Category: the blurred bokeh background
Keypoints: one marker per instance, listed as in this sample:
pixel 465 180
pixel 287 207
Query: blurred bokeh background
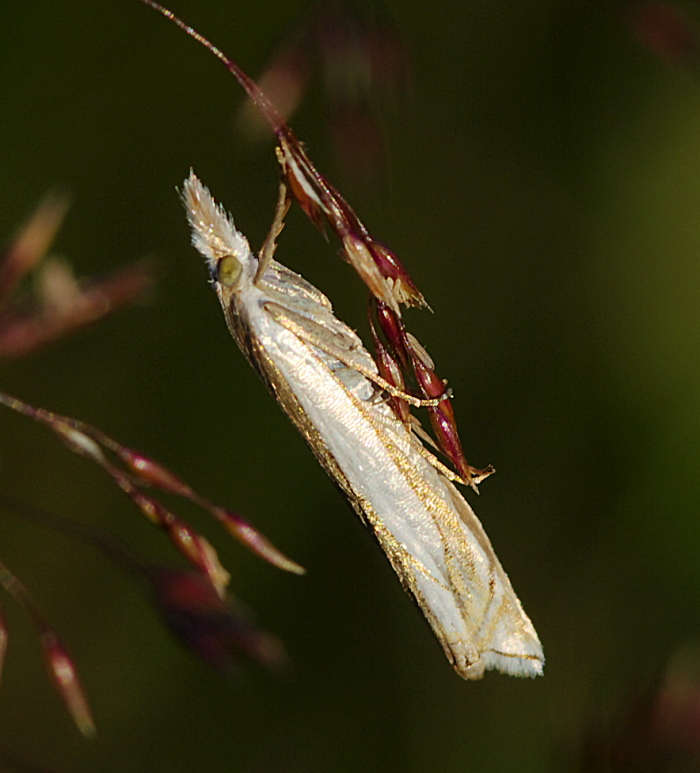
pixel 542 184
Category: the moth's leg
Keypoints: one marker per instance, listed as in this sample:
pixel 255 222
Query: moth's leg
pixel 379 396
pixel 414 427
pixel 477 475
pixel 267 251
pixel 445 470
pixel 307 328
pixel 319 336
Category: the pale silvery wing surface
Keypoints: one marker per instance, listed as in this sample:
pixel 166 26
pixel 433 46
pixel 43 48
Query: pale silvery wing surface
pixel 320 373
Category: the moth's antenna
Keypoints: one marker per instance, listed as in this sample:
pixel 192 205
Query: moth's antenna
pixel 254 92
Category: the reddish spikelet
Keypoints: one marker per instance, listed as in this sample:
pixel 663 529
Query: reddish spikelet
pixel 361 54
pixel 316 196
pixel 240 529
pixel 199 552
pixel 284 80
pixel 395 332
pixel 203 618
pixel 152 473
pixel 74 438
pixel 61 303
pixel 390 371
pixel 155 474
pixel 65 306
pixel 59 663
pixel 360 58
pixel 92 443
pixel 30 245
pixel 64 676
pixel 189 543
pixel 403 288
pixel 378 267
pixel 208 624
pixel 85 440
pixel 361 258
pixel 442 419
pixel 406 350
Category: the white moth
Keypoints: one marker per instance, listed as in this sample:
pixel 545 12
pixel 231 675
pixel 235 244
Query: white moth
pixel 325 380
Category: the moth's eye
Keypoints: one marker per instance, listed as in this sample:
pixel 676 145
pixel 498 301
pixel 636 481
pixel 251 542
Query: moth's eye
pixel 228 271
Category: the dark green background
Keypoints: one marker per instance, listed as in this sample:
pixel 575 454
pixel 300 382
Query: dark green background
pixel 543 189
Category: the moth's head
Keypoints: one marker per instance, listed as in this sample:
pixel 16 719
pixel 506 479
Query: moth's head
pixel 225 249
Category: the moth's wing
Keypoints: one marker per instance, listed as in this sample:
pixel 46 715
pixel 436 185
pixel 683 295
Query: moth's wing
pixel 328 335
pixel 471 606
pixel 504 634
pixel 291 289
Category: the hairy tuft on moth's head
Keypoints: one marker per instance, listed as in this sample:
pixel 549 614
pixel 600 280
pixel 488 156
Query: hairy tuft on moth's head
pixel 214 234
